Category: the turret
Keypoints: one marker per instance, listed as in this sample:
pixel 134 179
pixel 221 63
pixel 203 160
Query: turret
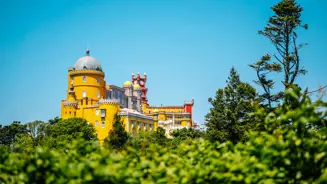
pixel 188 105
pixel 137 93
pixel 71 94
pixel 141 81
pixel 128 87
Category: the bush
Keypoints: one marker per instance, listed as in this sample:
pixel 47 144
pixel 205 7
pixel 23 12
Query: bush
pixel 293 149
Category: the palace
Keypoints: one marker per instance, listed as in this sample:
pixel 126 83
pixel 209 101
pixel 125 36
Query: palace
pixel 89 97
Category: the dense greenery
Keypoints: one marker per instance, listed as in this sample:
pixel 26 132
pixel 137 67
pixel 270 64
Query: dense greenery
pixel 288 152
pixel 230 115
pixel 117 136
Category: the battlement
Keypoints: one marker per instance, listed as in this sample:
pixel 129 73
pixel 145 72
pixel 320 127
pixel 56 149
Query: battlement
pixel 70 104
pixel 189 102
pixel 77 72
pixel 108 101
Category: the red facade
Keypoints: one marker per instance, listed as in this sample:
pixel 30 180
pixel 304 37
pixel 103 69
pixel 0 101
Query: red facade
pixel 141 81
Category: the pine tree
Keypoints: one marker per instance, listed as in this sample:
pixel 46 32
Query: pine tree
pixel 281 30
pixel 117 136
pixel 229 118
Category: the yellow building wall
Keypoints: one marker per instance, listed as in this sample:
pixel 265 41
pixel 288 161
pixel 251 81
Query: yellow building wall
pixel 93 83
pixel 140 125
pixel 164 112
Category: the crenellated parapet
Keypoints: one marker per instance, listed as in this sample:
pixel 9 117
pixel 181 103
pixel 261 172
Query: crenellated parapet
pixel 70 104
pixel 108 101
pixel 82 72
pixel 189 102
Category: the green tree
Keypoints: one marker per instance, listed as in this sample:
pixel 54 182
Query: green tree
pixel 186 133
pixel 264 67
pixel 229 117
pixel 54 120
pixel 8 133
pixel 159 136
pixel 117 136
pixel 70 129
pixel 281 30
pixel 37 130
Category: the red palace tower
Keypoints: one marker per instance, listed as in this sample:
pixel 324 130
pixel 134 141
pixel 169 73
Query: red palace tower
pixel 141 81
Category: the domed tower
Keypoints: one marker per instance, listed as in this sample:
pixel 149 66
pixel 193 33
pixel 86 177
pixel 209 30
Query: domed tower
pixel 137 93
pixel 87 79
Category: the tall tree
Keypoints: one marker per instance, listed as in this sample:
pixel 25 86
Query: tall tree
pixel 264 67
pixel 229 116
pixel 117 136
pixel 281 30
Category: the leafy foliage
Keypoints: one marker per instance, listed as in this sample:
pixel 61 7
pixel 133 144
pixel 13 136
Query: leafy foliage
pixel 229 118
pixel 72 128
pixel 117 136
pixel 8 133
pixel 281 30
pixel 263 67
pixel 292 150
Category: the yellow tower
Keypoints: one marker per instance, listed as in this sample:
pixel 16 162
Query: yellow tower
pixel 86 96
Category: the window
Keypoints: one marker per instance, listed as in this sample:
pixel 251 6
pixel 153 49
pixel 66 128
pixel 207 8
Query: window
pixel 98 79
pixel 96 123
pixel 98 94
pixel 103 112
pixel 103 124
pixel 84 78
pixel 70 113
pixel 97 112
pixel 72 80
pixel 84 94
pixel 149 112
pixel 75 114
pixel 146 127
pixel 140 126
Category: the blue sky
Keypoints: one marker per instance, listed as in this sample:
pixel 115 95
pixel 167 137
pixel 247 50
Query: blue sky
pixel 186 48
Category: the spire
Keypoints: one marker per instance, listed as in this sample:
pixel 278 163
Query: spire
pixel 87 51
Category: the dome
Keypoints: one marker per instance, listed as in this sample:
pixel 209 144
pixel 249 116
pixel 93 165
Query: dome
pixel 136 86
pixel 127 84
pixel 87 63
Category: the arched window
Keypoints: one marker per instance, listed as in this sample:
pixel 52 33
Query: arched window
pixel 98 94
pixel 103 124
pixel 98 79
pixel 84 94
pixel 96 123
pixel 84 78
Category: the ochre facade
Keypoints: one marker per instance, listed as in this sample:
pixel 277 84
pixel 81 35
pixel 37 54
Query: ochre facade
pixel 89 97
